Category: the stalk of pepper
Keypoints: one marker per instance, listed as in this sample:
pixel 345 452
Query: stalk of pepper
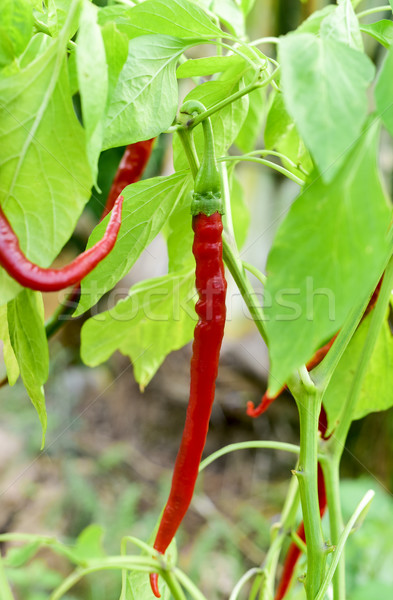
pixel 294 552
pixel 130 170
pixel 210 283
pixel 34 277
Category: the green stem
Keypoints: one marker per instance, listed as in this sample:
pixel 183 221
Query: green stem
pixel 309 406
pixel 256 272
pixel 188 585
pixel 42 28
pixel 237 271
pixel 246 446
pixel 267 163
pixel 331 474
pixel 265 40
pixel 372 11
pixel 243 580
pixel 187 142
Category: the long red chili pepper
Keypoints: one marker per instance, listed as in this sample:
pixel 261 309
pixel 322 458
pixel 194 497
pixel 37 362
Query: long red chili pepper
pixel 130 170
pixel 210 308
pixel 294 551
pixel 34 277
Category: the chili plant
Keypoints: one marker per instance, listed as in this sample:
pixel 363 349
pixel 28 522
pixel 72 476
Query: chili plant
pixel 77 79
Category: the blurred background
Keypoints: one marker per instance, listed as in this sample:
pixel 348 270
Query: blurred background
pixel 110 448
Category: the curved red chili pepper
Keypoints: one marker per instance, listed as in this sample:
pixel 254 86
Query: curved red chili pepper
pixel 294 551
pixel 130 170
pixel 211 286
pixel 34 277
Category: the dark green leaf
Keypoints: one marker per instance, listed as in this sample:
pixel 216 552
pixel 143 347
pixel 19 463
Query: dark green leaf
pixel 92 73
pixel 382 31
pixel 156 318
pixel 176 18
pixel 145 99
pixel 324 256
pixel 342 25
pixel 147 206
pixel 384 92
pixel 27 334
pixel 16 28
pixel 377 389
pixel 328 112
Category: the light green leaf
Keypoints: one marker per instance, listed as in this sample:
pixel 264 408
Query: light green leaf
pixel 45 178
pixel 179 244
pixel 328 112
pixel 203 67
pixel 229 12
pixel 145 99
pixel 241 216
pixel 252 125
pixel 341 229
pixel 17 557
pixel 147 206
pixel 38 44
pixel 384 92
pixel 27 334
pixel 342 25
pixel 57 15
pixel 246 6
pixel 16 28
pixel 116 48
pixel 226 123
pixel 281 135
pixel 157 318
pixel 382 31
pixel 89 543
pixel 377 389
pixel 10 361
pixel 175 18
pixel 93 82
pixel 313 23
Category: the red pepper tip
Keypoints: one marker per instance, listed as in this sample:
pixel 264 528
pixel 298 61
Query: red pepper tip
pixel 154 584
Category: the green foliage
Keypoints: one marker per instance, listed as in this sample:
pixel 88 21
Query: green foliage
pixel 309 300
pixel 16 27
pixel 384 91
pixel 382 31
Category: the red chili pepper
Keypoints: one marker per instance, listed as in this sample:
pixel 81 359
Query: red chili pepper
pixel 130 170
pixel 34 277
pixel 210 308
pixel 294 551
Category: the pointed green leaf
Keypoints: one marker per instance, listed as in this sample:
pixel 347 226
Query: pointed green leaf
pixel 313 23
pixel 382 31
pixel 89 543
pixel 203 67
pixel 27 334
pixel 17 557
pixel 324 256
pixel 92 73
pixel 157 318
pixel 147 206
pixel 116 48
pixel 10 361
pixel 328 112
pixel 45 178
pixel 384 92
pixel 342 25
pixel 176 18
pixel 145 99
pixel 230 14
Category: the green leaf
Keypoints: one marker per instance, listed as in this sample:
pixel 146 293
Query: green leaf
pixel 256 115
pixel 27 334
pixel 377 389
pixel 324 256
pixel 10 361
pixel 156 318
pixel 147 206
pixel 17 557
pixel 246 6
pixel 89 544
pixel 57 15
pixel 281 135
pixel 44 174
pixel 230 13
pixel 226 123
pixel 92 73
pixel 116 48
pixel 382 31
pixel 145 99
pixel 328 112
pixel 313 23
pixel 16 28
pixel 180 245
pixel 203 67
pixel 384 92
pixel 342 25
pixel 241 216
pixel 175 18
